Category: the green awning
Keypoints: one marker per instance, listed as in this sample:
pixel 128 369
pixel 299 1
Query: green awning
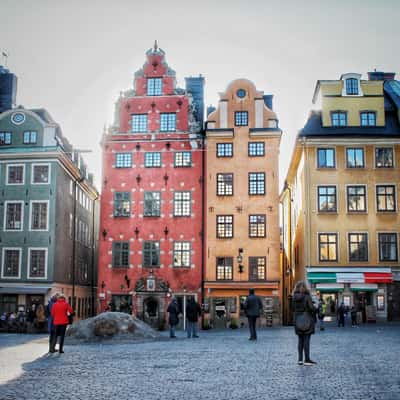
pixel 325 277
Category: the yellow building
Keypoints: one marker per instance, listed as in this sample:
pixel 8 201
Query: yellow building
pixel 242 205
pixel 340 201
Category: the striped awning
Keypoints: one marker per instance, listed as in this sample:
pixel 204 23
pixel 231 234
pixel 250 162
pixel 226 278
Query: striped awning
pixel 349 275
pixel 364 287
pixel 329 287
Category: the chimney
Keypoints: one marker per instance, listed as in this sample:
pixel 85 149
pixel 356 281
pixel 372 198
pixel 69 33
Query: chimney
pixel 268 100
pixel 8 89
pixel 381 76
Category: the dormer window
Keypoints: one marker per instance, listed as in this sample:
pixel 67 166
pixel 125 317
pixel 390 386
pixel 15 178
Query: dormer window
pixel 339 118
pixel 352 87
pixel 154 87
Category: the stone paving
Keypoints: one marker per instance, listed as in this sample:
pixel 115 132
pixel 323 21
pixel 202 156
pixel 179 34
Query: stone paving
pixel 353 363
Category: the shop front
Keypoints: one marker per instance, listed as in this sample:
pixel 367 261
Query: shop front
pixel 224 304
pixel 364 288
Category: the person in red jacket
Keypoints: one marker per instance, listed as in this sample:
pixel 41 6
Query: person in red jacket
pixel 60 311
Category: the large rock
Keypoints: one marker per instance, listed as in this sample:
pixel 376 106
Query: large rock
pixel 110 325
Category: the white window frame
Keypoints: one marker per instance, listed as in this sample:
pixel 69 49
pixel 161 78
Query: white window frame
pixel 366 198
pixel 394 184
pixel 349 76
pixel 23 174
pixel 397 244
pixel 348 246
pixel 5 216
pixel 317 199
pixel 383 146
pixel 2 262
pixel 32 173
pixel 30 215
pixel 338 247
pixel 45 265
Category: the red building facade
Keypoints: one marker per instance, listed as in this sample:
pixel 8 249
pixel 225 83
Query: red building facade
pixel 151 206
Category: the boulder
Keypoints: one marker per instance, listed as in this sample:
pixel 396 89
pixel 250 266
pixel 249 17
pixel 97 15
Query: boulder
pixel 112 326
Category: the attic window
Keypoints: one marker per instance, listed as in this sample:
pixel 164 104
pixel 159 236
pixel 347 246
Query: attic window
pixel 352 86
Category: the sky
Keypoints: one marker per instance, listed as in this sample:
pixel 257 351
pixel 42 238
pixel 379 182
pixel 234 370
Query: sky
pixel 74 57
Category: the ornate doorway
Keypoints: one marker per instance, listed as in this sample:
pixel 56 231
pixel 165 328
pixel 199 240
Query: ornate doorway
pixel 151 312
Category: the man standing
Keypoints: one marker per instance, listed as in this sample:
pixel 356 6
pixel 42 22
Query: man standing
pixel 50 324
pixel 193 312
pixel 173 310
pixel 253 307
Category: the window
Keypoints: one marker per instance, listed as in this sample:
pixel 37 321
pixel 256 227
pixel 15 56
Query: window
pixel 39 215
pixel 182 204
pixel 384 157
pixel 386 198
pixel 40 173
pixel 30 137
pixel 5 138
pixel 139 123
pixel 327 243
pixel 224 268
pixel 339 118
pixel 120 254
pixel 167 122
pixel 154 87
pixel 224 226
pixel 358 247
pixel 11 263
pixel 122 204
pixel 151 254
pixel 152 204
pixel 224 184
pixel 256 149
pixel 152 160
pixel 256 183
pixel 327 201
pixel 224 149
pixel 326 158
pixel 368 118
pixel 356 199
pixel 181 254
pixel 241 118
pixel 351 86
pixel 123 160
pixel 257 226
pixel 37 263
pixel 387 246
pixel 257 269
pixel 14 216
pixel 355 158
pixel 183 159
pixel 15 174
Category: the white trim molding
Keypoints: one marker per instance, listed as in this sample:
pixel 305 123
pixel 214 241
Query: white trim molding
pixel 5 215
pixel 19 262
pixel 33 165
pixel 28 273
pixel 23 174
pixel 30 215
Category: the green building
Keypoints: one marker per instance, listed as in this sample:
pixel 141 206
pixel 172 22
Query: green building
pixel 48 215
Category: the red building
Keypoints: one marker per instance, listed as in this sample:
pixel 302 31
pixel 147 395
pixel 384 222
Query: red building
pixel 151 206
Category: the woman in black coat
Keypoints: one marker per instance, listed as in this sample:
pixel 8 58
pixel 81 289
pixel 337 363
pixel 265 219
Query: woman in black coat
pixel 304 321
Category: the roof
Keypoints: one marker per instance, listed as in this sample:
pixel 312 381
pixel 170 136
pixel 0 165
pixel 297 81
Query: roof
pixel 392 91
pixel 313 127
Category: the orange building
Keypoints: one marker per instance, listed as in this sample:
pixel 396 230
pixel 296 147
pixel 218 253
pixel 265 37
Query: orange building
pixel 242 205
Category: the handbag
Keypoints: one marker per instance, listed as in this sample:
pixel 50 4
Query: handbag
pixel 70 318
pixel 303 322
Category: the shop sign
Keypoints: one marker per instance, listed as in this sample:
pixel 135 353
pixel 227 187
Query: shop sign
pixel 350 278
pixel 220 308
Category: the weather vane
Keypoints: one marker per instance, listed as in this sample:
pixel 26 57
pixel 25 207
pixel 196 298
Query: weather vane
pixel 5 55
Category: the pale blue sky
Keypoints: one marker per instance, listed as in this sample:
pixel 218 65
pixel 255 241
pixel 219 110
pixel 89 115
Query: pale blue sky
pixel 73 57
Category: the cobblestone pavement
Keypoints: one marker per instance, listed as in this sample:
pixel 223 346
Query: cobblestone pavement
pixel 353 363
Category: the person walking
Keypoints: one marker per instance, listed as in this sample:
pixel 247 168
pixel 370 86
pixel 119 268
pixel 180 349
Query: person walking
pixel 173 320
pixel 353 314
pixel 253 307
pixel 193 312
pixel 321 314
pixel 341 312
pixel 304 321
pixel 50 323
pixel 60 311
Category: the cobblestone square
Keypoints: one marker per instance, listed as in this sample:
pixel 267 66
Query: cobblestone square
pixel 353 363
